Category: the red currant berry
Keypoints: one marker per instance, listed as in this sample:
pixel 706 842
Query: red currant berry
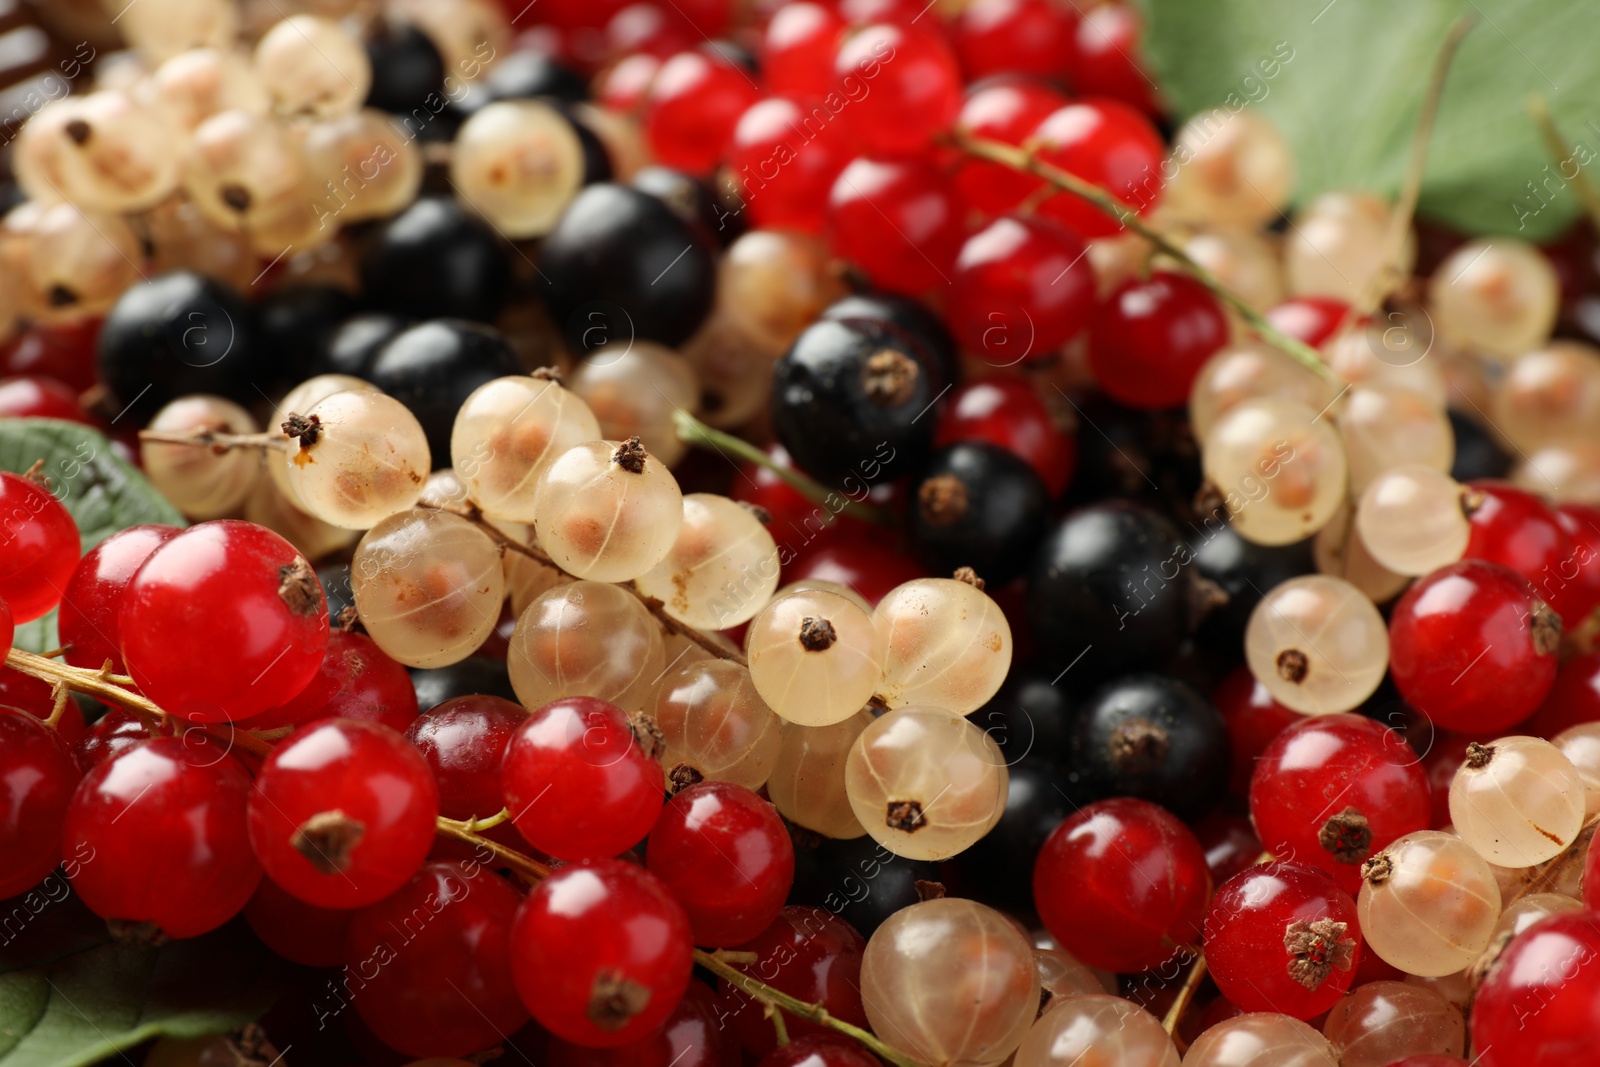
pixel 1332 790
pixel 39 547
pixel 1005 411
pixel 356 680
pixel 63 351
pixel 601 953
pixel 625 86
pixel 1231 845
pixel 1428 1059
pixel 856 560
pixel 1472 648
pixel 93 597
pixel 864 12
pixel 1122 885
pixel 793 516
pixel 1253 719
pixel 1582 570
pixel 1005 110
pixel 1151 337
pixel 1516 529
pixel 725 855
pixel 1312 319
pixel 904 86
pixel 117 730
pixel 577 783
pixel 692 1036
pixel 1538 1001
pixel 821 1050
pixel 8 629
pixel 464 741
pixel 1021 288
pixel 786 156
pixel 1445 757
pixel 694 103
pixel 37 777
pixel 1573 700
pixel 1103 58
pixel 809 953
pixel 650 29
pixel 33 396
pixel 26 693
pixel 244 590
pixel 343 813
pixel 158 832
pixel 1108 144
pixel 797 50
pixel 300 932
pixel 1015 37
pixel 441 950
pixel 1282 937
pixel 900 222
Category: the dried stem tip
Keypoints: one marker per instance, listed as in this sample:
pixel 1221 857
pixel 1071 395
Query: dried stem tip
pixel 614 999
pixel 79 131
pixel 816 635
pixel 1316 949
pixel 547 374
pixel 1139 746
pixel 1347 836
pixel 1478 756
pixel 327 839
pixel 1293 665
pixel 905 816
pixel 968 576
pixel 299 589
pixel 630 456
pixel 303 428
pixel 682 777
pixel 1546 627
pixel 890 378
pixel 942 500
pixel 927 890
pixel 1377 870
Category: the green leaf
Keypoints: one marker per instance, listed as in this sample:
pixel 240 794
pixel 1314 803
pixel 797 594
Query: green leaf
pixel 1348 92
pixel 103 493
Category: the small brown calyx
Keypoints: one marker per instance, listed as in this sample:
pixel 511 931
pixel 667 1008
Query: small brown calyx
pixel 682 777
pixel 968 576
pixel 1293 665
pixel 647 735
pixel 630 455
pixel 942 500
pixel 890 378
pixel 548 374
pixel 1545 625
pixel 762 515
pixel 349 620
pixel 1139 746
pixel 1205 596
pixel 1209 500
pixel 1471 500
pixel 1478 756
pixel 327 839
pixel 78 132
pixel 905 816
pixel 236 196
pixel 1317 949
pixel 307 429
pixel 1347 836
pixel 61 296
pixel 817 635
pixel 299 589
pixel 1377 870
pixel 927 890
pixel 140 934
pixel 614 999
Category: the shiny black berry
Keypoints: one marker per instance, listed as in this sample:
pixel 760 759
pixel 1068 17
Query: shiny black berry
pixel 1235 575
pixel 356 343
pixel 998 869
pixel 976 505
pixel 473 675
pixel 406 68
pixel 911 316
pixel 298 322
pixel 1478 454
pixel 1030 718
pixel 693 199
pixel 527 73
pixel 436 260
pixel 434 367
pixel 859 880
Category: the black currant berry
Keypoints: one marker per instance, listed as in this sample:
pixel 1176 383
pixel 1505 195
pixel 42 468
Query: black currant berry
pixel 694 200
pixel 406 69
pixel 1239 573
pixel 620 266
pixel 1154 738
pixel 596 157
pixel 858 880
pixel 1109 592
pixel 911 316
pixel 434 367
pixel 1029 718
pixel 525 74
pixel 356 343
pixel 998 869
pixel 977 505
pixel 473 675
pixel 181 333
pixel 1478 454
pixel 298 322
pixel 852 401
pixel 434 260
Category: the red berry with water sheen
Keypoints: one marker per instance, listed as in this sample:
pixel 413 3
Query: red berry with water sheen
pixel 1151 337
pixel 692 1036
pixel 1230 844
pixel 1253 720
pixel 784 157
pixel 1021 288
pixel 1312 319
pixel 1539 1001
pixel 343 813
pixel 797 50
pixel 694 104
pixel 37 777
pixel 1005 411
pixel 356 680
pixel 39 547
pixel 246 594
pixel 118 729
pixel 1122 885
pixel 1574 697
pixel 1517 529
pixel 1015 37
pixel 601 953
pixel 464 741
pixel 1103 60
pixel 725 855
pixel 441 950
pixel 93 598
pixel 1006 110
pixel 1283 937
pixel 158 836
pixel 300 932
pixel 898 221
pixel 1106 143
pixel 36 397
pixel 577 783
pixel 903 84
pixel 1333 790
pixel 809 953
pixel 1472 648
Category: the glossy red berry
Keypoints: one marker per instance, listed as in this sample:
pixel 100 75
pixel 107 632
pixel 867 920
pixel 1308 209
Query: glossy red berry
pixel 1006 411
pixel 355 680
pixel 809 953
pixel 1021 288
pixel 343 813
pixel 1538 1001
pixel 692 1036
pixel 63 351
pixel 33 396
pixel 1253 719
pixel 1106 143
pixel 243 592
pixel 1312 319
pixel 1015 37
pixel 577 783
pixel 439 952
pixel 8 629
pixel 898 221
pixel 1005 110
pixel 300 932
pixel 1230 843
pixel 694 103
pixel 652 29
pixel 1574 697
pixel 1151 337
pixel 1282 937
pixel 903 84
pixel 118 729
pixel 37 777
pixel 464 741
pixel 1581 572
pixel 784 157
pixel 1444 758
pixel 601 953
pixel 857 560
pixel 724 854
pixel 1333 790
pixel 1104 59
pixel 1472 648
pixel 27 693
pixel 93 598
pixel 1122 885
pixel 797 50
pixel 1517 529
pixel 158 833
pixel 39 547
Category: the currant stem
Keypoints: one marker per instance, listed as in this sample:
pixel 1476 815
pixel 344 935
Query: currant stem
pixel 1024 160
pixel 1561 151
pixel 215 439
pixel 697 433
pixel 462 831
pixel 1186 992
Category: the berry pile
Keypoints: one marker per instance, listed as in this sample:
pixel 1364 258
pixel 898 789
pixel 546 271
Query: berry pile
pixel 801 533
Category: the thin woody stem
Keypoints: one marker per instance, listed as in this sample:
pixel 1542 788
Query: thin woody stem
pixel 217 440
pixel 1186 992
pixel 1562 152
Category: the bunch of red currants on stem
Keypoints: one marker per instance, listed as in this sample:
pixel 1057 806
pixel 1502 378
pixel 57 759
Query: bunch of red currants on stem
pixel 807 534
